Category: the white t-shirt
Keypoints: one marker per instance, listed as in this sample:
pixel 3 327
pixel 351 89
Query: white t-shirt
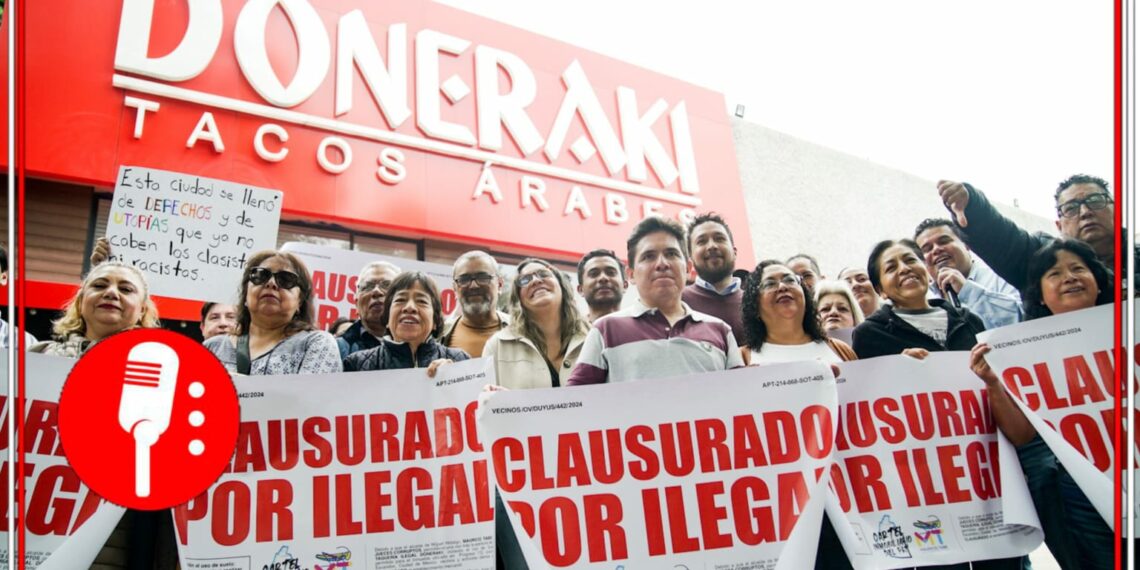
pixel 770 353
pixel 931 322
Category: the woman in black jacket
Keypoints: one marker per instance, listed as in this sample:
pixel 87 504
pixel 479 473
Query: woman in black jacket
pixel 911 324
pixel 916 326
pixel 415 318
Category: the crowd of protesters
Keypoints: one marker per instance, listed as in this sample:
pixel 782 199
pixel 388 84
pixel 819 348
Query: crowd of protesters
pixel 931 291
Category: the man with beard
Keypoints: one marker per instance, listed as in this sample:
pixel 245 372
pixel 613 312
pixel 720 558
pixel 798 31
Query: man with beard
pixel 477 284
pixel 955 275
pixel 371 287
pixel 860 283
pixel 1084 212
pixel 601 281
pixel 661 336
pixel 716 291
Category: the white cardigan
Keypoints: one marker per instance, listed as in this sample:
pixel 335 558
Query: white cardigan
pixel 519 365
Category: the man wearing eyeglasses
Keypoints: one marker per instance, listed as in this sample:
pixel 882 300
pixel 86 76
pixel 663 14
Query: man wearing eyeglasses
pixel 371 287
pixel 1084 211
pixel 477 284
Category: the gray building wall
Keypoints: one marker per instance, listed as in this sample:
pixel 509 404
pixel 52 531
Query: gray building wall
pixel 805 198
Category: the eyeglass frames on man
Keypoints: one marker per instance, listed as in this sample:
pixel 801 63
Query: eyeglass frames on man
pixel 1098 201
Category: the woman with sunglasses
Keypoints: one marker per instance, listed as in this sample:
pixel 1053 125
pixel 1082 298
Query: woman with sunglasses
pixel 537 350
pixel 415 318
pixel 1063 276
pixel 275 332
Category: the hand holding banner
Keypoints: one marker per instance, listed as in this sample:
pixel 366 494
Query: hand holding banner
pixel 916 479
pixel 1060 371
pixel 706 469
pixel 382 467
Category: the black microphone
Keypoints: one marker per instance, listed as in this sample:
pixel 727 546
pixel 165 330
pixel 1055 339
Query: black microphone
pixel 949 290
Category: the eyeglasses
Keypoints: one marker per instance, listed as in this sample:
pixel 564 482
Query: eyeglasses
pixel 367 286
pixel 790 280
pixel 525 280
pixel 1098 201
pixel 284 279
pixel 480 278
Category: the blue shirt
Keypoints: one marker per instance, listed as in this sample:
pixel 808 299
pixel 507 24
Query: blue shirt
pixel 996 302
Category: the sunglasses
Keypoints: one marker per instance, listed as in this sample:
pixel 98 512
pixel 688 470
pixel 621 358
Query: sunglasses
pixel 466 279
pixel 284 279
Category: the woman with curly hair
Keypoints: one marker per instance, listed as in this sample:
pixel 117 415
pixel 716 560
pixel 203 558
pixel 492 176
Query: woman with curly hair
pixel 275 332
pixel 114 297
pixel 780 322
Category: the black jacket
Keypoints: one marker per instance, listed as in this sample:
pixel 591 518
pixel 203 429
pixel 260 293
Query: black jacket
pixel 884 332
pixel 392 355
pixel 356 339
pixel 1004 246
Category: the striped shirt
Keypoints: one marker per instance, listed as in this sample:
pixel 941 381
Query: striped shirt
pixel 639 343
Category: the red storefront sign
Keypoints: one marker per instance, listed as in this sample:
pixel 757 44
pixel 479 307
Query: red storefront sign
pixel 406 116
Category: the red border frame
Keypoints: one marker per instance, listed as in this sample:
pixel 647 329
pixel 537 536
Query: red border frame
pixel 1118 338
pixel 19 130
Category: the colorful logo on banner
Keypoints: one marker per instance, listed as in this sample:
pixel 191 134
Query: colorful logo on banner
pixel 283 560
pixel 928 534
pixel 342 558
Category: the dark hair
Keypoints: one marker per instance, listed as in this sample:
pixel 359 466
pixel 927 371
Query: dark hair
pixel 523 325
pixel 206 308
pixel 811 260
pixel 703 218
pixel 407 280
pixel 937 223
pixel 336 324
pixel 303 318
pixel 598 253
pixel 741 274
pixel 3 260
pixel 755 331
pixel 1079 179
pixel 1045 258
pixel 873 261
pixel 654 224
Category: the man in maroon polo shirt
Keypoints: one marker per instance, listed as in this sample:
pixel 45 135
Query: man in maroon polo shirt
pixel 660 336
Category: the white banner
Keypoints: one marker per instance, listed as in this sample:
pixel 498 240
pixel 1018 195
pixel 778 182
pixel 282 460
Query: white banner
pixel 369 469
pixel 917 474
pixel 334 278
pixel 190 235
pixel 64 517
pixel 710 471
pixel 1060 371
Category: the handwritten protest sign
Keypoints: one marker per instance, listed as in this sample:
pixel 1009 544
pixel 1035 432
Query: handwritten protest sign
pixel 1061 372
pixel 708 470
pixel 190 235
pixel 918 477
pixel 376 469
pixel 64 520
pixel 335 272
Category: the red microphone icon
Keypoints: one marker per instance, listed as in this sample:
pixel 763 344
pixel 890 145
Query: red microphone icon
pixel 159 434
pixel 149 380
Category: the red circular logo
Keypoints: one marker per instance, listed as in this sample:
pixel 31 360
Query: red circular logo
pixel 148 418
